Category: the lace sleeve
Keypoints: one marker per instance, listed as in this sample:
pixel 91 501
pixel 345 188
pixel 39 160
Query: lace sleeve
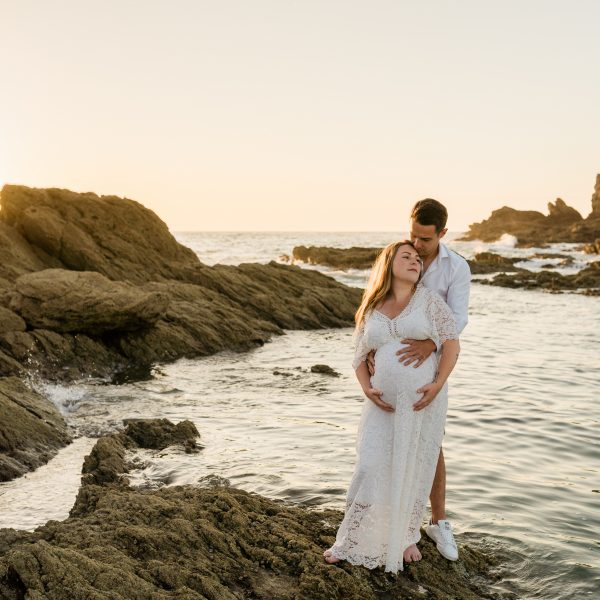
pixel 360 346
pixel 442 319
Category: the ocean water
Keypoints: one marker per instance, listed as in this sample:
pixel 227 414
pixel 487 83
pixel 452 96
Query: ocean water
pixel 522 441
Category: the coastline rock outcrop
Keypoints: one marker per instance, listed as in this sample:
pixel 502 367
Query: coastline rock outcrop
pixel 117 237
pixel 562 224
pixel 204 543
pixel 103 286
pixel 31 429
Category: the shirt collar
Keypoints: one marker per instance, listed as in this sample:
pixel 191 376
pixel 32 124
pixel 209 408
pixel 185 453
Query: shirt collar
pixel 442 253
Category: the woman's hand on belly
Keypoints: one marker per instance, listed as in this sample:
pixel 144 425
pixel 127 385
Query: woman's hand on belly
pixel 374 395
pixel 429 391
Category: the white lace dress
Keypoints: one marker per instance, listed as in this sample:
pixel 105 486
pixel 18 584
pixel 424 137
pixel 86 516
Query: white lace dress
pixel 397 452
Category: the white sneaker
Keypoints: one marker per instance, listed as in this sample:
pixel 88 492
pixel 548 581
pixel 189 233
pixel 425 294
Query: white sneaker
pixel 441 534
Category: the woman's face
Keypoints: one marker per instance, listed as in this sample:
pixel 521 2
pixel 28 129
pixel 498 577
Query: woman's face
pixel 407 264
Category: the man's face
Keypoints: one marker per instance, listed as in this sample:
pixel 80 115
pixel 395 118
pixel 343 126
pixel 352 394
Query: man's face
pixel 425 238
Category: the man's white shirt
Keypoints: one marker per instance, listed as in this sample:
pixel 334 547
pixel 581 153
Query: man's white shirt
pixel 450 276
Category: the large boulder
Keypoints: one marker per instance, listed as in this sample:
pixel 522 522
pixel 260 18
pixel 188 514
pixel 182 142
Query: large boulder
pixel 31 429
pixel 69 301
pixel 117 237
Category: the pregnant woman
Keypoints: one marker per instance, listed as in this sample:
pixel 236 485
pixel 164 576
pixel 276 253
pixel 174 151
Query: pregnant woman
pixel 402 423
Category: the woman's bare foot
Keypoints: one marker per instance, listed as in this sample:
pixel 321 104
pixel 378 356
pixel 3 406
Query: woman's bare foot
pixel 412 554
pixel 330 558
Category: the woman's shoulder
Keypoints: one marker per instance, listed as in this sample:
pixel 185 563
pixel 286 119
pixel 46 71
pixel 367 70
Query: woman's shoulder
pixel 424 292
pixel 428 293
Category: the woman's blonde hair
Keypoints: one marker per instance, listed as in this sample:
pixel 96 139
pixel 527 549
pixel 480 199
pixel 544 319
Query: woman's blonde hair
pixel 380 280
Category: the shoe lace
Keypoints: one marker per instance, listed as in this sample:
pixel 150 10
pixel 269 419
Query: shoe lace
pixel 446 533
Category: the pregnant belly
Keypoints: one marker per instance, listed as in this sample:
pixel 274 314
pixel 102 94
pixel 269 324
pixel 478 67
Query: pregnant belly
pixel 392 375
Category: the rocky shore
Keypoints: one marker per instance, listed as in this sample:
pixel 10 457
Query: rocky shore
pixel 97 286
pixel 208 543
pixel 92 285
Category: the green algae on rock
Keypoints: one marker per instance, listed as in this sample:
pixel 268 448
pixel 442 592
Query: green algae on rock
pixel 211 543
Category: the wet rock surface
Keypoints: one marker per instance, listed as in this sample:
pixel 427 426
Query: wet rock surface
pixel 324 370
pixel 212 542
pixel 31 429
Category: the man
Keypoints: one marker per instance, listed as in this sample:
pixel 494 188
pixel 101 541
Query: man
pixel 448 274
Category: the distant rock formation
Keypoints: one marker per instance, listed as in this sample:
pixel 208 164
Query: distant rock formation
pixel 596 197
pixel 587 279
pixel 363 258
pixel 338 258
pixel 489 262
pixel 593 248
pixel 562 224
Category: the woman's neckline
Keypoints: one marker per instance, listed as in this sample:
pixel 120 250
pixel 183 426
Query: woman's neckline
pixel 403 310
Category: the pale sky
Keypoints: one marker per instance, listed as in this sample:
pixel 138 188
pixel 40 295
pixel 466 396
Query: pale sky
pixel 305 115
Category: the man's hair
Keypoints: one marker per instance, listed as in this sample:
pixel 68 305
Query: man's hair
pixel 430 212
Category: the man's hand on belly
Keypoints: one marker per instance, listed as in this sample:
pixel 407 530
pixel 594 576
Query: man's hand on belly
pixel 416 351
